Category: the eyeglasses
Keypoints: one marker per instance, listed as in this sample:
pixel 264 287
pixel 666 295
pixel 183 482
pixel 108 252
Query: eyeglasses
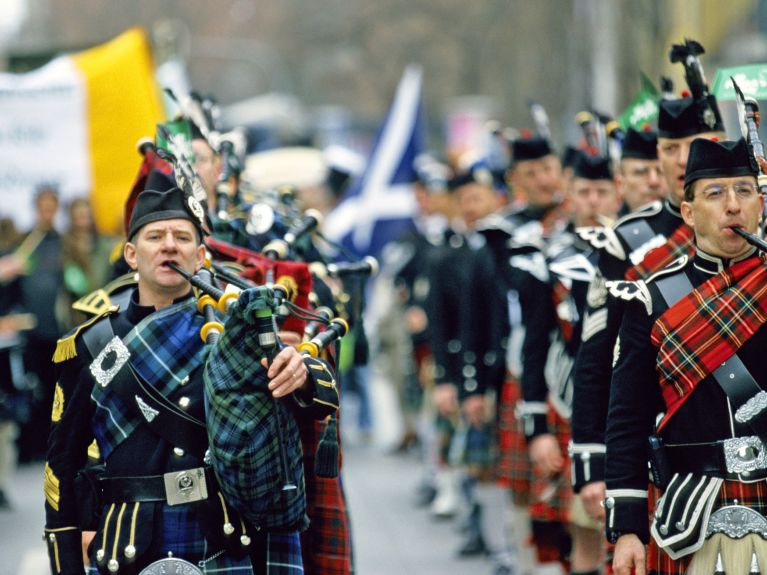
pixel 716 192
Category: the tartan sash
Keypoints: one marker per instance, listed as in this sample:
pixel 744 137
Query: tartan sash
pixel 165 347
pixel 707 327
pixel 679 243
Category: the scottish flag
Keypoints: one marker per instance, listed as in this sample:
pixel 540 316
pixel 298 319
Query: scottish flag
pixel 380 203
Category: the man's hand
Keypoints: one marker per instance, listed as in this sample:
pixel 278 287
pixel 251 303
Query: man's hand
pixel 475 409
pixel 446 399
pixel 287 372
pixel 592 494
pixel 629 554
pixel 546 454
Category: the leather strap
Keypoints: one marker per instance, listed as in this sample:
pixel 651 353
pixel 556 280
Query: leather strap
pixel 142 488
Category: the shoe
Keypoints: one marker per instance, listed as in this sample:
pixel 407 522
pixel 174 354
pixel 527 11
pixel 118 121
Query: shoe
pixel 473 546
pixel 408 441
pixel 5 505
pixel 503 569
pixel 425 494
pixel 445 504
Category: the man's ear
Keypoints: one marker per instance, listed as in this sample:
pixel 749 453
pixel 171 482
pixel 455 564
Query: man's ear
pixel 200 257
pixel 686 209
pixel 129 253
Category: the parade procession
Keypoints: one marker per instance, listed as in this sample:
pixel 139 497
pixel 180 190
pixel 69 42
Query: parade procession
pixel 480 292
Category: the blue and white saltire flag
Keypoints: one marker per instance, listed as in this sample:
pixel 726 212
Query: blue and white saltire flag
pixel 380 203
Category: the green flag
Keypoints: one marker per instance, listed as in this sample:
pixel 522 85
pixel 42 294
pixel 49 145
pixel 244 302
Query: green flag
pixel 752 79
pixel 643 109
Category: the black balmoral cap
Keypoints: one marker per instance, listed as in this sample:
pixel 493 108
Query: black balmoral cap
pixel 532 148
pixel 593 168
pixel 713 159
pixel 570 156
pixel 640 145
pixel 475 175
pixel 685 117
pixel 156 205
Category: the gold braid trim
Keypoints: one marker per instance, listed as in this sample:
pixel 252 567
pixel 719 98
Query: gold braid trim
pixel 51 488
pixel 66 348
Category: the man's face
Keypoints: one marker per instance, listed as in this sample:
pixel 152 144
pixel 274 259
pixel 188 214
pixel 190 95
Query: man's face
pixel 208 167
pixel 640 182
pixel 476 201
pixel 540 180
pixel 155 245
pixel 592 198
pixel 47 205
pixel 672 154
pixel 719 204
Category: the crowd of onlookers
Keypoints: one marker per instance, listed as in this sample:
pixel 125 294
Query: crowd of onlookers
pixel 43 270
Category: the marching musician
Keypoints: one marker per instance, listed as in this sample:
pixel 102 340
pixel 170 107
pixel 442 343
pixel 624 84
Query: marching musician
pixel 187 434
pixel 638 244
pixel 689 375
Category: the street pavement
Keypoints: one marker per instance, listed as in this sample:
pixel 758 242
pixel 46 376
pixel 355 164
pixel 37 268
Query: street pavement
pixel 391 536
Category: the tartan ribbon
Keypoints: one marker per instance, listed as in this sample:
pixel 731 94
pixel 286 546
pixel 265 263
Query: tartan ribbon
pixel 679 243
pixel 708 326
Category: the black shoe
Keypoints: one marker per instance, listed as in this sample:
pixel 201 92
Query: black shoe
pixel 502 569
pixel 473 545
pixel 5 505
pixel 425 494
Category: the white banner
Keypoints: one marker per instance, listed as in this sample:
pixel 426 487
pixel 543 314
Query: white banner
pixel 43 137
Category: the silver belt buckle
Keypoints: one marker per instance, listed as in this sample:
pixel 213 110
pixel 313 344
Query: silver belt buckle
pixel 185 486
pixel 171 565
pixel 744 454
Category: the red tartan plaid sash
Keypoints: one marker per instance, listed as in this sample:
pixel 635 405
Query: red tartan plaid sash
pixel 678 244
pixel 707 327
pixel 293 274
pixel 562 294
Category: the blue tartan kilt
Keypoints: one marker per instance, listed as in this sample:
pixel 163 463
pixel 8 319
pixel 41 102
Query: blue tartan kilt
pixel 182 535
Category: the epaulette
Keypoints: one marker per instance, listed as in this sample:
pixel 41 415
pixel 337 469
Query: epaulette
pixel 645 211
pixel 603 238
pixel 66 346
pixel 533 263
pixel 575 267
pixel 99 300
pixel 495 222
pixel 671 268
pixel 631 290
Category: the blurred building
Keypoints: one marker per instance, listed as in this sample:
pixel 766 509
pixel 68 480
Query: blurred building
pixel 565 54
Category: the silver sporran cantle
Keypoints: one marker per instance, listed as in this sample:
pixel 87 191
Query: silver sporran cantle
pixel 171 566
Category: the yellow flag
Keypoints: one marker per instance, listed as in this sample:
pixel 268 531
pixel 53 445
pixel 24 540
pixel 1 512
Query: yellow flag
pixel 123 105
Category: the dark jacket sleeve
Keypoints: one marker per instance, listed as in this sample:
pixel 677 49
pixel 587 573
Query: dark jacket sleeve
pixel 67 454
pixel 634 401
pixel 539 317
pixel 483 328
pixel 591 391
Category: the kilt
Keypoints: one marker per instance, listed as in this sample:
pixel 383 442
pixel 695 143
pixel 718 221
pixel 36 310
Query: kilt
pixel 753 495
pixel 326 544
pixel 513 464
pixel 550 498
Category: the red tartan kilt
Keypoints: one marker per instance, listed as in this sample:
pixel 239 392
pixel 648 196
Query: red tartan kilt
pixel 545 505
pixel 326 544
pixel 513 466
pixel 753 495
